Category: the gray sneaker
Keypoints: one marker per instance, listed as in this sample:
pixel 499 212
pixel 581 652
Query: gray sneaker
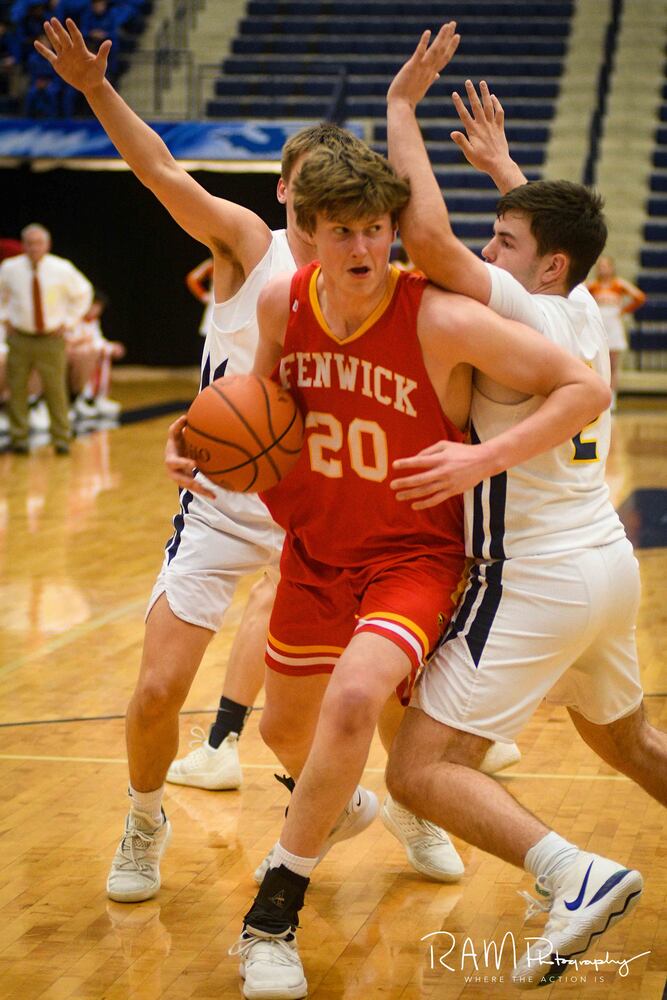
pixel 214 768
pixel 135 869
pixel 429 849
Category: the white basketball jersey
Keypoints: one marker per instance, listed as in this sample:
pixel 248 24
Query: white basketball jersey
pixel 558 500
pixel 229 348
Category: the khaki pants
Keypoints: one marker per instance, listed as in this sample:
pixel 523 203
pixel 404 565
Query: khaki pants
pixel 46 354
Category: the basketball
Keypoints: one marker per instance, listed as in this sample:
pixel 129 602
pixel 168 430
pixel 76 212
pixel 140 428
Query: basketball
pixel 244 432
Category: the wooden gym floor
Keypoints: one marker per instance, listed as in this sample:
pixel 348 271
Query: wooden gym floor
pixel 81 542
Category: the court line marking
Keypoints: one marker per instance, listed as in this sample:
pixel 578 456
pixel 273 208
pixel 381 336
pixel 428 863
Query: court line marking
pixel 272 767
pixel 182 713
pixel 72 635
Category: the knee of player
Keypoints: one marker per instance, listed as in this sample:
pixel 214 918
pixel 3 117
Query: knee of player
pixel 155 696
pixel 399 778
pixel 280 733
pixel 351 707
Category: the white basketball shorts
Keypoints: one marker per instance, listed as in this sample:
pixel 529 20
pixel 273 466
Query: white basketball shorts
pixel 558 626
pixel 613 324
pixel 214 544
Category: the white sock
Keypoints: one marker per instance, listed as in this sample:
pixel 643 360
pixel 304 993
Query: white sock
pixel 300 866
pixel 549 855
pixel 149 803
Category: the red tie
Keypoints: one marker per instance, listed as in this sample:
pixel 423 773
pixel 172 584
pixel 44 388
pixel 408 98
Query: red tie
pixel 37 302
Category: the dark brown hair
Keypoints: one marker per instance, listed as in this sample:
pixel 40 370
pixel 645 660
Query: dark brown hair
pixel 564 217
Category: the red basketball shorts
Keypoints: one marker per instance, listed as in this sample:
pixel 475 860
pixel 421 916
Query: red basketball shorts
pixel 408 602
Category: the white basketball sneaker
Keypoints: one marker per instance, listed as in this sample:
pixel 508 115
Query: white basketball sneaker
pixel 429 849
pixel 105 407
pixel 135 869
pixel 499 756
pixel 84 409
pixel 208 767
pixel 588 898
pixel 359 813
pixel 39 418
pixel 270 965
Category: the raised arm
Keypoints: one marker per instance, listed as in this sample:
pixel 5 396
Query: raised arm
pixel 213 221
pixel 424 224
pixel 455 330
pixel 272 315
pixel 484 143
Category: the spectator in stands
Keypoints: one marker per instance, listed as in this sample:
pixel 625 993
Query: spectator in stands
pixel 44 87
pixel 616 298
pixel 9 247
pixel 99 22
pixel 89 356
pixel 43 296
pixel 28 18
pixel 8 47
pixel 200 282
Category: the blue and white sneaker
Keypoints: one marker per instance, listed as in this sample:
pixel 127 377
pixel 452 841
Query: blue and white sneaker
pixel 583 902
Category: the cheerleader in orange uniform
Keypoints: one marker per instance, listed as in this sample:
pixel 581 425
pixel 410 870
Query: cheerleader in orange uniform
pixel 616 298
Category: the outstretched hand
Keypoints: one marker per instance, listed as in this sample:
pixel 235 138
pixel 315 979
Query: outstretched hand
pixel 441 471
pixel 179 467
pixel 70 57
pixel 484 142
pixel 423 67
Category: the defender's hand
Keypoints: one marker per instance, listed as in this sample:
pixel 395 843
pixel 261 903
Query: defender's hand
pixel 70 58
pixel 439 472
pixel 484 145
pixel 179 466
pixel 423 67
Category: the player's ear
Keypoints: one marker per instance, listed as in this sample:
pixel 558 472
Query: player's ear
pixel 281 191
pixel 557 268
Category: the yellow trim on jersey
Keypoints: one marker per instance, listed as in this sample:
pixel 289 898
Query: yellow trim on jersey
pixel 394 275
pixel 574 460
pixel 304 649
pixel 402 620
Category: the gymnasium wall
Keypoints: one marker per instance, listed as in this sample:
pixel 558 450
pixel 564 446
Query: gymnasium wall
pixel 117 233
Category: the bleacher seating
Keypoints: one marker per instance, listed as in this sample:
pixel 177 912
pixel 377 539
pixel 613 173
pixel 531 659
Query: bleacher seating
pixel 288 56
pixel 28 84
pixel 649 328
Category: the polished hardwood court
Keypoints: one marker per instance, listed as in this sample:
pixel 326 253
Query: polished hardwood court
pixel 81 540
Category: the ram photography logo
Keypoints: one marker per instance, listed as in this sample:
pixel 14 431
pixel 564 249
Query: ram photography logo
pixel 492 960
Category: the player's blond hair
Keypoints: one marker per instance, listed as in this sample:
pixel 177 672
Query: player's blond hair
pixel 311 138
pixel 347 184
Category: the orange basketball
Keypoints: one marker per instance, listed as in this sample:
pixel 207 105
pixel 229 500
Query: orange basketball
pixel 244 432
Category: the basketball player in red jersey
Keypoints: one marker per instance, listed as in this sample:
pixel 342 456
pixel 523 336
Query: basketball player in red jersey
pixel 380 363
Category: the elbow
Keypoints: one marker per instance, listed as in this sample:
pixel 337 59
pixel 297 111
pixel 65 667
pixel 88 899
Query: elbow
pixel 158 173
pixel 599 396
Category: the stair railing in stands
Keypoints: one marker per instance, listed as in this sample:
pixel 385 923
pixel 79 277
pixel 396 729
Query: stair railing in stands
pixel 171 43
pixel 604 76
pixel 337 112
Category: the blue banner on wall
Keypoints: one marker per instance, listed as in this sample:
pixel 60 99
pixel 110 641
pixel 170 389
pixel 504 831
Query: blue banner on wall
pixel 26 138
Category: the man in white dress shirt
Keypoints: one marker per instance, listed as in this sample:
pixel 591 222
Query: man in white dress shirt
pixel 43 297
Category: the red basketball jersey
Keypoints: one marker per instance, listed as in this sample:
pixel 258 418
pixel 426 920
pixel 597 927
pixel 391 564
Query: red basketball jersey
pixel 366 401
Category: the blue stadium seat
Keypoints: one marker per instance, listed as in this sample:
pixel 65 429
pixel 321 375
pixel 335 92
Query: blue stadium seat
pixel 434 8
pixel 287 57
